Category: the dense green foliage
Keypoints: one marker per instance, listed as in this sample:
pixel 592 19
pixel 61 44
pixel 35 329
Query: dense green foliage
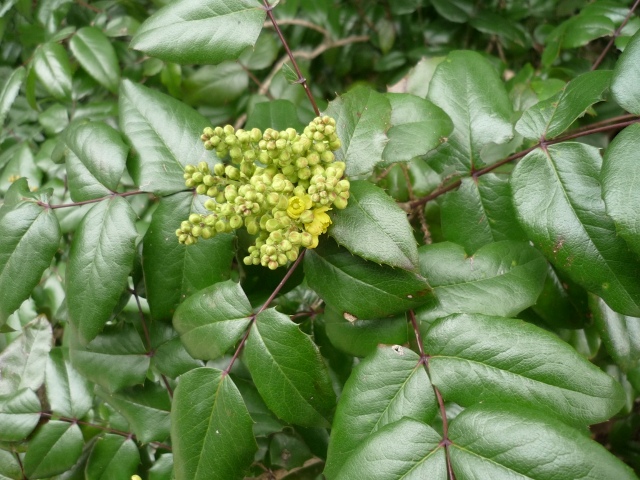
pixel 473 310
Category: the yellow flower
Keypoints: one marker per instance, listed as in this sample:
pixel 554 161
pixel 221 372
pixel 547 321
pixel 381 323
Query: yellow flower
pixel 320 223
pixel 297 205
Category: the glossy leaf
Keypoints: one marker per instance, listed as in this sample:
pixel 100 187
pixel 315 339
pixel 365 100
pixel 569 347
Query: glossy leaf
pixel 19 415
pixel 30 235
pixel 551 117
pixel 417 126
pixel 502 278
pixel 389 385
pixel 9 91
pixel 112 457
pixel 404 449
pixel 480 212
pixel 10 466
pixel 210 428
pixel 483 359
pixel 556 304
pixel 582 29
pixel 165 134
pixel 68 392
pixel 50 63
pixel 619 188
pixel 459 87
pixel 501 442
pixel 212 320
pixel 193 31
pixel 359 288
pixel 23 361
pixel 170 358
pixel 624 85
pixel 458 11
pixel 375 228
pixel 96 55
pixel 54 449
pixel 557 198
pixel 286 364
pixel 216 84
pixel 96 160
pixel 114 359
pixel 172 271
pixel 363 117
pixel 620 333
pixel 101 258
pixel 277 114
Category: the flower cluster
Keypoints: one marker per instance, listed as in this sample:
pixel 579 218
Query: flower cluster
pixel 278 185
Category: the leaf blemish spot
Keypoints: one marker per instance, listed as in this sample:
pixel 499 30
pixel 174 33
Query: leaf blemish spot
pixel 349 317
pixel 398 349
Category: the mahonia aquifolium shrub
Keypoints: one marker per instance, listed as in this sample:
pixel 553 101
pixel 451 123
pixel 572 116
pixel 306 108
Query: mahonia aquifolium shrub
pixel 278 185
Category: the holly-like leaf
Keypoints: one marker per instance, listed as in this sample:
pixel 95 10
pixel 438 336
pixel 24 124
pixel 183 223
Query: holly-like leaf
pixel 460 87
pixel 360 288
pixel 23 360
pixel 194 31
pixel 50 63
pixel 582 29
pixel 101 258
pixel 480 212
pixel 212 320
pixel 210 427
pixel 557 196
pixel 96 160
pixel 363 117
pixel 68 392
pixel 375 228
pixel 502 442
pixel 502 278
pixel 624 85
pixel 170 358
pixel 621 197
pixel 417 126
pixel 277 114
pixel 96 55
pixel 54 449
pixel 9 466
pixel 288 371
pixel 480 359
pixel 30 236
pixel 549 118
pixel 9 91
pixel 165 134
pixel 172 271
pixel 19 415
pixel 385 387
pixel 112 456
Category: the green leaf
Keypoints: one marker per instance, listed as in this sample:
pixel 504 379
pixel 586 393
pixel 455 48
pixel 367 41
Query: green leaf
pixel 375 228
pixel 502 278
pixel 146 408
pixel 460 87
pixel 624 84
pixel 262 55
pixel 551 117
pixel 194 31
pixel 385 387
pixel 404 449
pixel 24 359
pixel 19 415
pixel 501 442
pixel 54 449
pixel 9 466
pixel 619 190
pixel 165 134
pixel 212 320
pixel 10 90
pixel 556 305
pixel 359 288
pixel 458 11
pixel 162 468
pixel 68 392
pixel 170 357
pixel 216 85
pixel 30 236
pixel 96 55
pixel 557 196
pixel 21 164
pixel 288 371
pixel 480 212
pixel 505 28
pixel 363 117
pixel 50 63
pixel 100 260
pixel 114 359
pixel 96 160
pixel 276 114
pixel 264 421
pixel 113 457
pixel 620 333
pixel 482 359
pixel 582 29
pixel 172 271
pixel 210 427
pixel 417 126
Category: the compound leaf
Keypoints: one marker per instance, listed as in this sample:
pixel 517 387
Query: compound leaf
pixel 54 449
pixel 96 55
pixel 112 456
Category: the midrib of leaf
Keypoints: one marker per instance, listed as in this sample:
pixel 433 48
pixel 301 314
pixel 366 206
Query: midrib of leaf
pixel 29 356
pixel 524 477
pixel 208 423
pixel 421 461
pixel 49 451
pixel 487 279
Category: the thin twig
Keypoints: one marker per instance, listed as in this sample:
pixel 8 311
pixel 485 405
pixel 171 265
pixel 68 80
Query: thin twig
pixel 615 35
pixel 301 22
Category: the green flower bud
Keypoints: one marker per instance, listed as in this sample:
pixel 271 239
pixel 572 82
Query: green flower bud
pixel 285 245
pixel 195 218
pixel 282 259
pixel 236 154
pixel 203 167
pixel 295 237
pixel 197 177
pixel 304 173
pixel 210 220
pixel 272 265
pixel 208 180
pixel 212 192
pixel 247 261
pixel 228 130
pixel 329 129
pixel 256 135
pixel 306 216
pixel 208 132
pixel 235 222
pixel 206 233
pixel 327 157
pixel 183 238
pixel 232 172
pixel 218 169
pixel 208 145
pixel 196 230
pixel 335 145
pixel 189 169
pixel 320 147
pixel 253 228
pixel 190 240
pixel 272 225
pixel 292 255
pixel 313 158
pixel 221 226
pixel 306 239
pixel 201 189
